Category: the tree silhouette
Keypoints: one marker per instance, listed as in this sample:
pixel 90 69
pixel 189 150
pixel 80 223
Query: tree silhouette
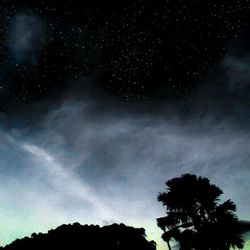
pixel 78 237
pixel 195 217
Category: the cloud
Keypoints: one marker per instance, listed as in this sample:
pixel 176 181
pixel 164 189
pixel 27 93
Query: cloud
pixel 137 153
pixel 65 182
pixel 26 38
pixel 223 97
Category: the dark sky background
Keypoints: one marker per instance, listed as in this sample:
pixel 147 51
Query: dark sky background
pixel 101 102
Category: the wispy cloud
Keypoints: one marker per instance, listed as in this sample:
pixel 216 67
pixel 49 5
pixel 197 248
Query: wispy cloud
pixel 66 182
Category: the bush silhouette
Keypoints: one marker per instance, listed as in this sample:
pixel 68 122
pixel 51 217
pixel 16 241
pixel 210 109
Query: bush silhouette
pixel 196 218
pixel 76 237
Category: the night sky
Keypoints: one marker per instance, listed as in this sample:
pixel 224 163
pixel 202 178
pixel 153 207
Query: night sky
pixel 101 102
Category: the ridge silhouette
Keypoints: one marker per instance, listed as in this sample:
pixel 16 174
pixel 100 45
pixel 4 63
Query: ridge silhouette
pixel 76 236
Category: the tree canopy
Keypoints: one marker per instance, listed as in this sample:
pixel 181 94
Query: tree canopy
pixel 76 237
pixel 196 218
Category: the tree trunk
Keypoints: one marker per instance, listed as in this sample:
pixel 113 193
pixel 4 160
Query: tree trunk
pixel 169 247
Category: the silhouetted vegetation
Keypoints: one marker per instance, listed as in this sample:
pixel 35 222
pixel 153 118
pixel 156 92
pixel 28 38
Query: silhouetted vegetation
pixel 244 227
pixel 195 217
pixel 76 237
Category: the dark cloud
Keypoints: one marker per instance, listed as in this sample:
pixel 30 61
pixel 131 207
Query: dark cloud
pixel 224 96
pixel 26 39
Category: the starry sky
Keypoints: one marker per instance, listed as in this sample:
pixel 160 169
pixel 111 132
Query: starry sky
pixel 102 102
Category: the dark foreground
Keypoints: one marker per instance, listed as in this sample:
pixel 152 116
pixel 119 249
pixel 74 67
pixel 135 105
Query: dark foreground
pixel 76 236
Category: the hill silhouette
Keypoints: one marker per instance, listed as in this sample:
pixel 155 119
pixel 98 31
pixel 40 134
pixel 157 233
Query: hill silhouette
pixel 76 236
